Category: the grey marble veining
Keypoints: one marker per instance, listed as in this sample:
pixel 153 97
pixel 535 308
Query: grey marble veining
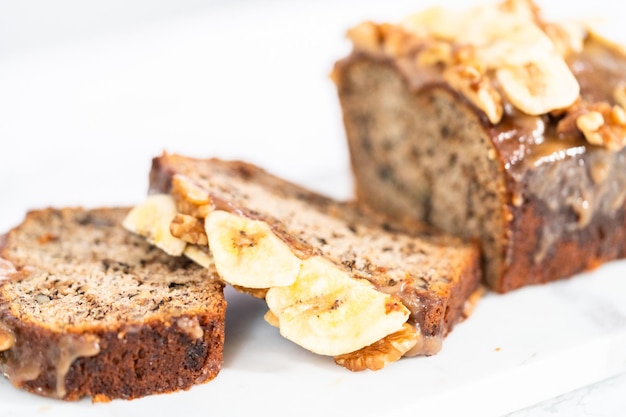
pixel 606 398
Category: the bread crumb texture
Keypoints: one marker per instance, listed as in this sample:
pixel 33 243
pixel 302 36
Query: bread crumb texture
pixel 89 309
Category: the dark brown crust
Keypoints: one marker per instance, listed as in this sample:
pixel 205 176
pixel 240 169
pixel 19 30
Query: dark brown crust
pixel 134 359
pixel 161 175
pixel 156 358
pixel 600 242
pixel 466 285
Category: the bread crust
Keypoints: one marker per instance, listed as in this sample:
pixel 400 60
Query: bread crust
pixel 122 358
pixel 155 358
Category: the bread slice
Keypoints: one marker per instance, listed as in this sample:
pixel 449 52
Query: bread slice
pixel 89 309
pixel 322 265
pixel 438 132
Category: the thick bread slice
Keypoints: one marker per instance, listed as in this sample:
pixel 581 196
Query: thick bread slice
pixel 431 276
pixel 89 309
pixel 433 135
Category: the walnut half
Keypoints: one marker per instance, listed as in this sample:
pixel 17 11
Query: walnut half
pixel 477 88
pixel 604 125
pixel 189 229
pixel 381 353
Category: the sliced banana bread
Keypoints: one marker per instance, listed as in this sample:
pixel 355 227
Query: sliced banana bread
pixel 495 124
pixel 338 280
pixel 89 309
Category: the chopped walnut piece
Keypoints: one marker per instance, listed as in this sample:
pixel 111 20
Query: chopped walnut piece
pixel 434 53
pixel 381 353
pixel 603 125
pixel 190 199
pixel 189 229
pixel 477 88
pixel 618 115
pixel 255 292
pixel 398 42
pixel 365 37
pixel 589 124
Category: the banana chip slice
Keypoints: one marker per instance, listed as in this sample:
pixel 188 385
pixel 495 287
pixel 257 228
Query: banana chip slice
pixel 330 313
pixel 151 219
pixel 540 86
pixel 247 253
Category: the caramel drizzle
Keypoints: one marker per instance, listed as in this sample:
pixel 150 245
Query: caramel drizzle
pixel 22 365
pixel 71 348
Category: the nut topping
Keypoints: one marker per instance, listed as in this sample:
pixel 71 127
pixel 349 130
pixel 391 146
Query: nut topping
pixel 601 124
pixel 435 53
pixel 519 56
pixel 189 229
pixel 385 351
pixel 605 126
pixel 365 37
pixel 477 88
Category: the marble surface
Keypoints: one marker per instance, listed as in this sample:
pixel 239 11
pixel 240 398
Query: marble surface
pixel 89 93
pixel 604 398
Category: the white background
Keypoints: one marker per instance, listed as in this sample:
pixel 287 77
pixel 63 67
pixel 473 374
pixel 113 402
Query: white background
pixel 91 91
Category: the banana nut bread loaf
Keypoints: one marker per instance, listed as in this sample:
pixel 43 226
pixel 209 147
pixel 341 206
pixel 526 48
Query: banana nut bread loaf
pixel 493 123
pixel 89 309
pixel 338 280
